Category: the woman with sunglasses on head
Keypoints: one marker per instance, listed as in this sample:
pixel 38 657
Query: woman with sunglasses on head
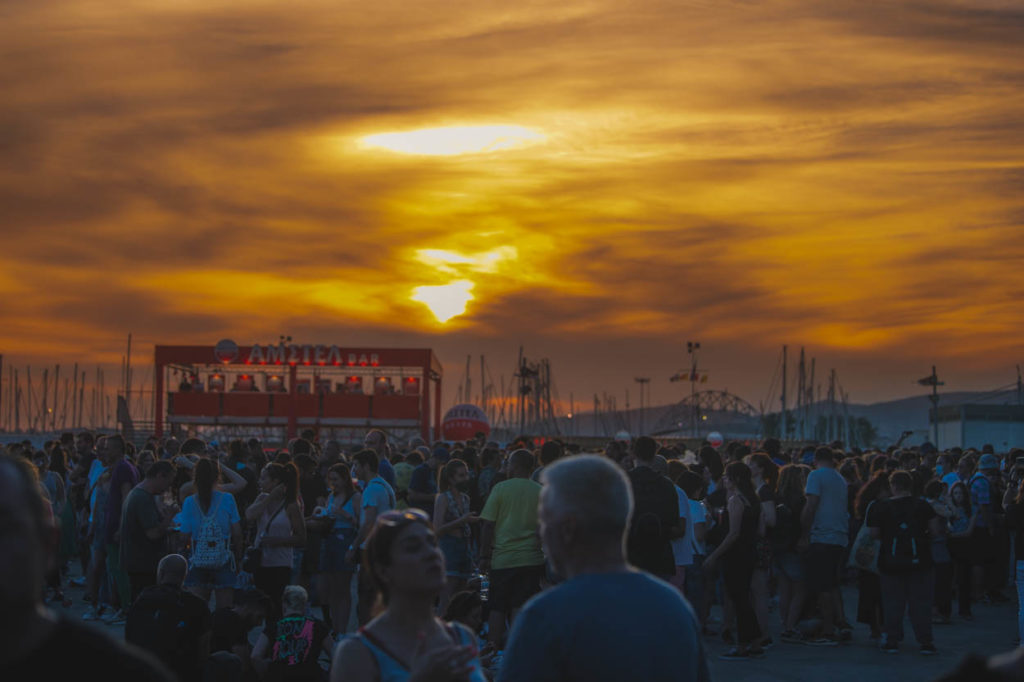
pixel 406 642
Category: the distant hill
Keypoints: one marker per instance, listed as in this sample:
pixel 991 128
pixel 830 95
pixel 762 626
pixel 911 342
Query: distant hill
pixel 890 418
pixel 894 416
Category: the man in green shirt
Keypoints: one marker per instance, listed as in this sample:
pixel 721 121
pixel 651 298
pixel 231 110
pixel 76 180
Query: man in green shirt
pixel 144 528
pixel 510 529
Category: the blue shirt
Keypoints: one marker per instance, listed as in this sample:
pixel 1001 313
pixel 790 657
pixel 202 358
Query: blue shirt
pixel 611 626
pixel 386 471
pixel 831 520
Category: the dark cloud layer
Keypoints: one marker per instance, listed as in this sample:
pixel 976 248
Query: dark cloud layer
pixel 843 175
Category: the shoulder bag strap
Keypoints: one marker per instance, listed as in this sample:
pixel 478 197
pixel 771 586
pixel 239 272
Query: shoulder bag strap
pixel 266 528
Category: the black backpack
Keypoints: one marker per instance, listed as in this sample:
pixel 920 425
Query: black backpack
pixel 904 550
pixel 157 622
pixel 646 527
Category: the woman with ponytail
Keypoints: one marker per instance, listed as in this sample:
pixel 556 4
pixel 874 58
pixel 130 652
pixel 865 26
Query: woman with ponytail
pixel 737 554
pixel 211 525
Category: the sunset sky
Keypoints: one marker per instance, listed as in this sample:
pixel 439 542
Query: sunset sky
pixel 596 180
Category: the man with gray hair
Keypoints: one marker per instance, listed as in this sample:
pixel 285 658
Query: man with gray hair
pixel 171 623
pixel 608 621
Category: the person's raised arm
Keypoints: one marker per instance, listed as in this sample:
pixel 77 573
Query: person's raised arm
pixel 265 500
pixel 236 482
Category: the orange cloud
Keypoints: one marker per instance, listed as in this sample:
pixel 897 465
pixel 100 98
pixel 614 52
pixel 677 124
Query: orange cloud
pixel 792 172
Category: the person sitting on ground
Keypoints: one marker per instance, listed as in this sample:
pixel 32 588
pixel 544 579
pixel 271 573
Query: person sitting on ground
pixel 607 621
pixel 231 626
pixel 290 648
pixel 36 643
pixel 406 641
pixel 155 620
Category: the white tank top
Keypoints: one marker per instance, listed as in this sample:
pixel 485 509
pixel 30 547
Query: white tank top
pixel 281 527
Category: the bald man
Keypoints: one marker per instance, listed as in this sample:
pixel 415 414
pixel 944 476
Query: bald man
pixel 170 622
pixel 36 643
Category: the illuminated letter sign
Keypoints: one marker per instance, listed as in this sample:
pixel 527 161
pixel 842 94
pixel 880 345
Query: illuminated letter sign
pixel 256 354
pixel 275 354
pixel 334 356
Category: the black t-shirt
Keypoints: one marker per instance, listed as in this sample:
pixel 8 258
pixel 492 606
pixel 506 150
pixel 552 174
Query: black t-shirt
pixel 312 487
pixel 295 646
pixel 168 622
pixel 905 544
pixel 655 513
pixel 228 630
pixel 75 650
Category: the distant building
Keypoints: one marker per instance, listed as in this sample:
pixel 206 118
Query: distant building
pixel 972 426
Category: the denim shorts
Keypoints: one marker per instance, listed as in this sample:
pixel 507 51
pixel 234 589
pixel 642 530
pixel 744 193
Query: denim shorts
pixel 212 578
pixel 457 560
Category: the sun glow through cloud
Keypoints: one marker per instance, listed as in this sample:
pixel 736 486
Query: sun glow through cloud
pixel 484 261
pixel 447 300
pixel 454 140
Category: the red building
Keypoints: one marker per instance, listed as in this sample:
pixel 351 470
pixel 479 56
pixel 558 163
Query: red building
pixel 292 386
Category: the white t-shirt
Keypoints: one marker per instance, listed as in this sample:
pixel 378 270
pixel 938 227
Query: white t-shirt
pixel 682 548
pixel 698 514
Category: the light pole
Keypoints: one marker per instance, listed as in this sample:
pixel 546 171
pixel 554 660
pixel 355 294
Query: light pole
pixel 691 349
pixel 642 381
pixel 933 381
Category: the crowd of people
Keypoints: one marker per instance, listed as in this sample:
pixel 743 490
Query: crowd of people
pixel 474 561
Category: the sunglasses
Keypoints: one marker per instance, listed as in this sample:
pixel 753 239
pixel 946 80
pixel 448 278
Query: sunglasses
pixel 397 517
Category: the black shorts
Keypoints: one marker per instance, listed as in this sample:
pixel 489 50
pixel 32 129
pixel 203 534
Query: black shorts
pixel 821 567
pixel 511 587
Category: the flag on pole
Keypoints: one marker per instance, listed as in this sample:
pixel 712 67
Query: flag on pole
pixel 704 379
